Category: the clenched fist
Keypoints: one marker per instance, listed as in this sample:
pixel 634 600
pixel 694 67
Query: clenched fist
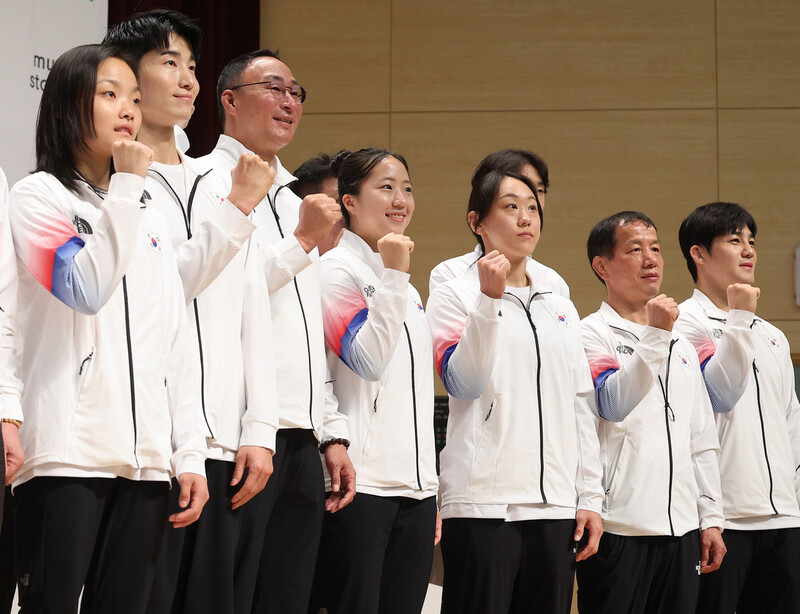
pixel 395 251
pixel 743 296
pixel 131 157
pixel 493 269
pixel 318 214
pixel 662 311
pixel 252 178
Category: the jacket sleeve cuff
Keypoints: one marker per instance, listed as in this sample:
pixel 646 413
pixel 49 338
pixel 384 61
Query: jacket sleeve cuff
pixel 591 503
pixel 233 222
pixel 486 307
pixel 711 522
pixel 292 254
pixel 10 407
pixel 191 461
pixel 258 434
pixel 395 281
pixel 127 185
pixel 739 318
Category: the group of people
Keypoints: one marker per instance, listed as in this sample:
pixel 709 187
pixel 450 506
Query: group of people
pixel 221 380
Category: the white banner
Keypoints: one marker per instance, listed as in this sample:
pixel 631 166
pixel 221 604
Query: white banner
pixel 33 33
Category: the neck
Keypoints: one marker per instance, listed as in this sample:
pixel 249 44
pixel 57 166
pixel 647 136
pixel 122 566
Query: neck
pixel 97 173
pixel 265 153
pixel 635 311
pixel 161 139
pixel 718 295
pixel 517 277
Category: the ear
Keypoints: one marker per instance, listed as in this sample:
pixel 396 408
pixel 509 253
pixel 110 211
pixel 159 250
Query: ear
pixel 472 218
pixel 228 100
pixel 349 203
pixel 698 254
pixel 599 266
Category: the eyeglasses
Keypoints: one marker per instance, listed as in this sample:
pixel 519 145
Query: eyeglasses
pixel 279 90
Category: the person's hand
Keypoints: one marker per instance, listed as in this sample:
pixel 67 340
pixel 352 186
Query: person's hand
pixel 318 214
pixel 258 462
pixel 437 534
pixel 591 522
pixel 343 477
pixel 13 447
pixel 194 494
pixel 743 296
pixel 131 157
pixel 493 269
pixel 252 178
pixel 395 251
pixel 712 550
pixel 662 311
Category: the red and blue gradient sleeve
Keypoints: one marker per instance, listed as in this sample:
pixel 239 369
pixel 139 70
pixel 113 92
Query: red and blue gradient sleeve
pixel 343 318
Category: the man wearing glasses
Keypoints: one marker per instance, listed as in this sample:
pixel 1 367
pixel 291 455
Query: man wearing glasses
pixel 261 104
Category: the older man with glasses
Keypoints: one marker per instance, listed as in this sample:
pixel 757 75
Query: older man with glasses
pixel 261 104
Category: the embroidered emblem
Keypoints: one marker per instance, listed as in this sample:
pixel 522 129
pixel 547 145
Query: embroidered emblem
pixel 153 241
pixel 624 349
pixel 82 226
pixel 717 333
pixel 562 319
pixel 369 290
pixel 218 197
pixel 684 361
pixel 774 342
pixel 419 306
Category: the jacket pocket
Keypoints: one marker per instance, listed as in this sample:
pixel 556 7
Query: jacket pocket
pixel 372 416
pixel 83 374
pixel 484 427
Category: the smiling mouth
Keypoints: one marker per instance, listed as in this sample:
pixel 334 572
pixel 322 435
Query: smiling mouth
pixel 124 130
pixel 397 217
pixel 283 120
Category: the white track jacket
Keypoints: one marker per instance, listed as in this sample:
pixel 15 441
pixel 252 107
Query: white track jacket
pixel 10 384
pixel 111 386
pixel 658 442
pixel 522 427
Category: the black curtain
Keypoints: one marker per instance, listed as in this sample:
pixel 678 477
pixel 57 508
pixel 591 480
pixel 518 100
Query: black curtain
pixel 230 28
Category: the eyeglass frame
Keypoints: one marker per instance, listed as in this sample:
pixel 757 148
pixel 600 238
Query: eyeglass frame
pixel 286 88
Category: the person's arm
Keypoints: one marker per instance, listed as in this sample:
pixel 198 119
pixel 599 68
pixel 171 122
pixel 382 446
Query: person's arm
pixel 81 273
pixel 726 367
pixel 286 258
pixel 364 338
pixel 10 384
pixel 260 420
pixel 620 388
pixel 337 460
pixel 705 462
pixel 183 389
pixel 790 402
pixel 219 237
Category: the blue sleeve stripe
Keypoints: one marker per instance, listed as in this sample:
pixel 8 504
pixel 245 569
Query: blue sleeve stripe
pixel 599 382
pixel 444 372
pixel 704 363
pixel 349 337
pixel 66 286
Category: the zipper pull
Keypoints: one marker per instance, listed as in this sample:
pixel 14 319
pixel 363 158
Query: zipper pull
pixel 670 413
pixel 375 405
pixel 491 407
pixel 89 357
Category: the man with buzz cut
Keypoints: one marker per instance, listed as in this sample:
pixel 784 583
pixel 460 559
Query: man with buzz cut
pixel 261 104
pixel 750 378
pixel 210 567
pixel 657 437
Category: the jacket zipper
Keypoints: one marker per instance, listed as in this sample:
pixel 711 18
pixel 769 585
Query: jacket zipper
pixel 669 416
pixel 272 206
pixel 538 391
pixel 414 403
pixel 764 436
pixel 130 368
pixel 187 220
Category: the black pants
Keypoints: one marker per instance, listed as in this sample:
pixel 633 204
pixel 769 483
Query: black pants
pixel 641 575
pixel 294 504
pixel 101 535
pixel 211 565
pixel 376 556
pixel 8 575
pixel 497 567
pixel 759 575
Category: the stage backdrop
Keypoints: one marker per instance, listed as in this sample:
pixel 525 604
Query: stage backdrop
pixel 33 33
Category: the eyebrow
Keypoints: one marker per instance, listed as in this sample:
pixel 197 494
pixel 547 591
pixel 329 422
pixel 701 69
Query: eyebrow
pixel 176 54
pixel 279 78
pixel 512 195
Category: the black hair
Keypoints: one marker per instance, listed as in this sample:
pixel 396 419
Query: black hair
pixel 353 167
pixel 149 31
pixel 603 237
pixel 231 75
pixel 708 222
pixel 66 111
pixel 310 175
pixel 514 161
pixel 486 189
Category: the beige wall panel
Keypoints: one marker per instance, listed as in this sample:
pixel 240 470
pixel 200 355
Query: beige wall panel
pixel 759 161
pixel 330 133
pixel 339 51
pixel 759 47
pixel 577 54
pixel 662 162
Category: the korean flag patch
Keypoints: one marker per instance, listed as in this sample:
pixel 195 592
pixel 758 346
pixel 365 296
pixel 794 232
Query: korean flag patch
pixel 153 241
pixel 562 319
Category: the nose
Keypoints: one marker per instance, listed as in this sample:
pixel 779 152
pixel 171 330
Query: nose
pixel 188 78
pixel 128 109
pixel 749 250
pixel 524 216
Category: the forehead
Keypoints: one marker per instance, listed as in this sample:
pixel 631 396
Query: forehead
pixel 390 167
pixel 531 173
pixel 264 69
pixel 637 232
pixel 510 185
pixel 117 70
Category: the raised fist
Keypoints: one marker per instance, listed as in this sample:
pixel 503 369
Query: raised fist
pixel 493 269
pixel 252 178
pixel 395 251
pixel 131 157
pixel 662 311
